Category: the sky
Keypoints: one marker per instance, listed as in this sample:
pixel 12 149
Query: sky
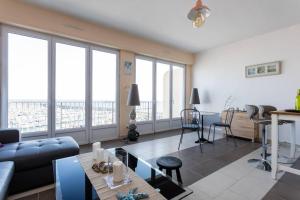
pixel 28 71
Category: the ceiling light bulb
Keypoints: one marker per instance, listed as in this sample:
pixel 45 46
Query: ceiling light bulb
pixel 205 11
pixel 199 21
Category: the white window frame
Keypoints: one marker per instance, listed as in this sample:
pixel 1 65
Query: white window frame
pixel 171 119
pixel 117 53
pixel 52 40
pixel 56 40
pixel 5 30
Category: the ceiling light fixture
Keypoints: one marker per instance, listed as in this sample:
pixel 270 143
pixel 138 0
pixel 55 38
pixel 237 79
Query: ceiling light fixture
pixel 198 14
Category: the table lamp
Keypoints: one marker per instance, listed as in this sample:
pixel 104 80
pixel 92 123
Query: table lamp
pixel 195 100
pixel 133 100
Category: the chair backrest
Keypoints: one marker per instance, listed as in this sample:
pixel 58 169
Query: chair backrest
pixel 265 111
pixel 229 116
pixel 189 116
pixel 252 111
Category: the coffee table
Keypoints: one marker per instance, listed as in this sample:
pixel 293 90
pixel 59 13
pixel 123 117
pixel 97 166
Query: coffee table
pixel 71 181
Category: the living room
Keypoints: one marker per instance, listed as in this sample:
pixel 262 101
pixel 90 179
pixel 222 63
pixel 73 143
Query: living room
pixel 177 100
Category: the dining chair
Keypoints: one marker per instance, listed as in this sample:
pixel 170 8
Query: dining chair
pixel 190 120
pixel 226 125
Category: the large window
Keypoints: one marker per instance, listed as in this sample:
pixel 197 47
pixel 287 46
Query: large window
pixel 177 91
pixel 162 91
pixel 57 86
pixel 70 86
pixel 104 88
pixel 168 80
pixel 144 78
pixel 27 65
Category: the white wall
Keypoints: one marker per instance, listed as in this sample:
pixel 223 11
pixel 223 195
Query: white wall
pixel 220 72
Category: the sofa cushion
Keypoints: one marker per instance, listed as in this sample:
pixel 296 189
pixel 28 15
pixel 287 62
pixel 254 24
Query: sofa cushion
pixel 38 153
pixel 6 174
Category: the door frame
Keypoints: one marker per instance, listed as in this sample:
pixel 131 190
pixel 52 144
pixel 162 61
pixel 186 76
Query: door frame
pixel 75 132
pixel 5 30
pixel 144 125
pixel 86 136
pixel 173 123
pixel 109 131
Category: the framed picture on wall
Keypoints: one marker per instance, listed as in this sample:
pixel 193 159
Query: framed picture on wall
pixel 128 67
pixel 265 69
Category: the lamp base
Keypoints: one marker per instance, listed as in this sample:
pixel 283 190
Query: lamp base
pixel 133 135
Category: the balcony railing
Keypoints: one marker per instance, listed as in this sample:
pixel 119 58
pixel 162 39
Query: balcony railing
pixel 32 116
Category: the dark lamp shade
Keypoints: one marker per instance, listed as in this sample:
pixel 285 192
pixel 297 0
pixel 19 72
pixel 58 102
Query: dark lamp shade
pixel 133 96
pixel 195 97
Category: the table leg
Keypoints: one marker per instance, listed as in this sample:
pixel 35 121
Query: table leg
pixel 293 140
pixel 153 174
pixel 274 139
pixel 202 139
pixel 202 129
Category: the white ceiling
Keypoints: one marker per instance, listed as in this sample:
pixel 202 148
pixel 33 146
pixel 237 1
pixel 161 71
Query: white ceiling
pixel 165 20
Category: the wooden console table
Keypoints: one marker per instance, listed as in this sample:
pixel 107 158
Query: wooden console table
pixel 242 126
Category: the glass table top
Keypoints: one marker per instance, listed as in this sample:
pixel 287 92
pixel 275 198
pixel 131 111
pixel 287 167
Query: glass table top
pixel 72 183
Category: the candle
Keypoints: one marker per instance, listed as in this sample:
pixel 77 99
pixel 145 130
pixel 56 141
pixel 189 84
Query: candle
pixel 96 145
pixel 118 171
pixel 100 155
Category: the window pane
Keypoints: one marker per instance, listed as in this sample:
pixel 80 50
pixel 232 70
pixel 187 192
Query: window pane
pixel 70 86
pixel 144 80
pixel 178 90
pixel 162 91
pixel 104 88
pixel 27 83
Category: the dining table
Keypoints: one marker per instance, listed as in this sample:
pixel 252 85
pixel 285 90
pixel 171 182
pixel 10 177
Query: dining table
pixel 276 117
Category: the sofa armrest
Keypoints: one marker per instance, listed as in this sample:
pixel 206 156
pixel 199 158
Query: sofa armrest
pixel 9 136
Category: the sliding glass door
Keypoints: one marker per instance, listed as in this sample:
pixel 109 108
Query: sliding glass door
pixel 161 95
pixel 53 86
pixel 144 79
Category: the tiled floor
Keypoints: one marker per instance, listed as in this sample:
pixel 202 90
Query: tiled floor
pixel 152 146
pixel 197 165
pixel 221 172
pixel 287 188
pixel 143 138
pixel 239 181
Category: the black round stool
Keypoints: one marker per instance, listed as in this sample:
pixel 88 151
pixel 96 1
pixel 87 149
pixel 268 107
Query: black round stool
pixel 170 163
